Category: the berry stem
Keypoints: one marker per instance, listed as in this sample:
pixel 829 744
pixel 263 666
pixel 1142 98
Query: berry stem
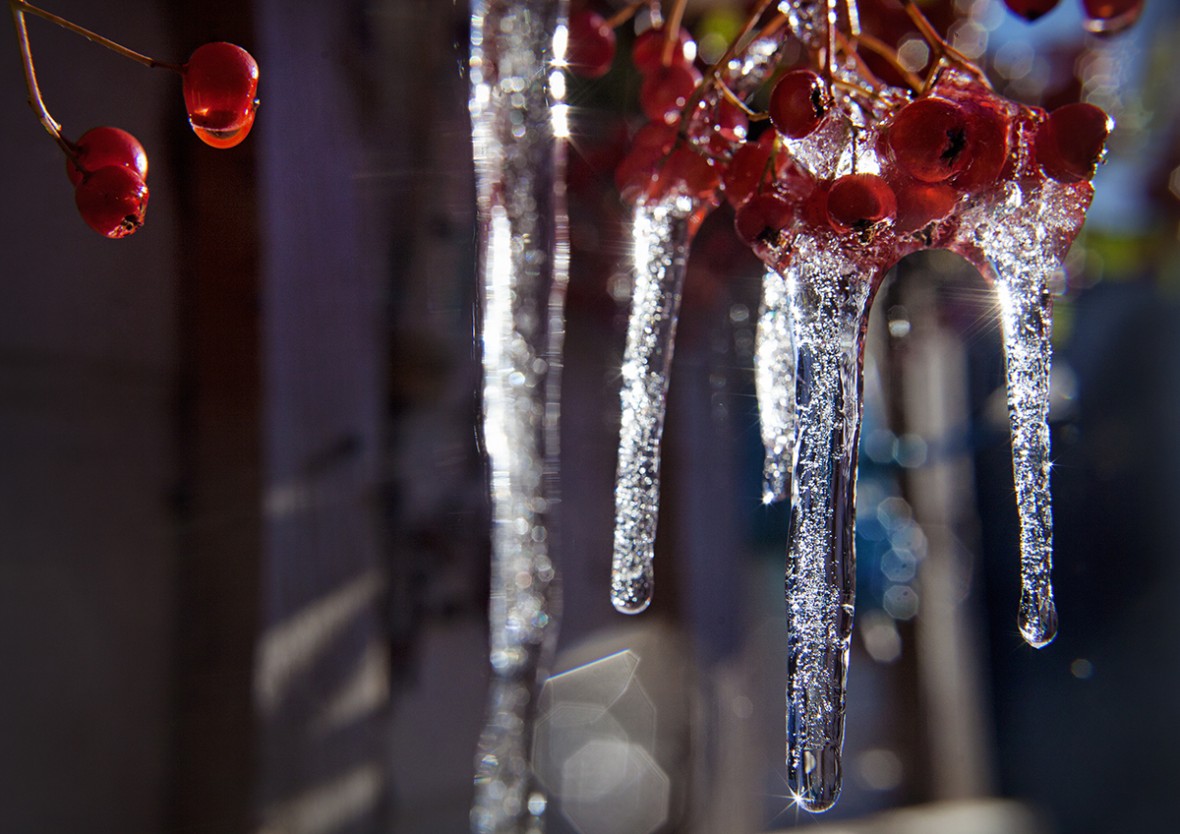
pixel 883 51
pixel 624 14
pixel 51 125
pixel 942 49
pixel 672 32
pixel 19 6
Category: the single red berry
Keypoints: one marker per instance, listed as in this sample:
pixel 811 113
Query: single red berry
pixel 931 139
pixel 687 172
pixel 665 91
pixel 112 200
pixel 648 51
pixel 1106 17
pixel 729 124
pixel 1071 140
pixel 920 203
pixel 748 170
pixel 989 151
pixel 798 103
pixel 636 173
pixel 220 85
pixel 103 146
pixel 1030 10
pixel 858 201
pixel 762 217
pixel 591 46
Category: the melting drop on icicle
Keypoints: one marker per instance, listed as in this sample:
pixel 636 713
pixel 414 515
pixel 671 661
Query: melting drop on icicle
pixel 661 233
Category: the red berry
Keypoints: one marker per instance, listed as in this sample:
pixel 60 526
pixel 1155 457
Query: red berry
pixel 666 90
pixel 687 172
pixel 729 124
pixel 635 176
pixel 1106 17
pixel 920 203
pixel 988 154
pixel 798 103
pixel 1071 140
pixel 112 200
pixel 762 217
pixel 748 170
pixel 647 53
pixel 931 139
pixel 591 48
pixel 103 146
pixel 220 85
pixel 1030 10
pixel 858 201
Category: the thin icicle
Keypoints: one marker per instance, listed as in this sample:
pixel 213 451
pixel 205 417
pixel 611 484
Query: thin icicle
pixel 523 272
pixel 1023 252
pixel 660 234
pixel 774 378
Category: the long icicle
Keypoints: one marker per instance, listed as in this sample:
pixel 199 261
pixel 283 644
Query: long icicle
pixel 524 263
pixel 661 232
pixel 829 299
pixel 774 381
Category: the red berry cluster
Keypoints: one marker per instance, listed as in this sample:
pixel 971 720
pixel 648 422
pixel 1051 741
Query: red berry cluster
pixel 108 166
pixel 920 157
pixel 1101 16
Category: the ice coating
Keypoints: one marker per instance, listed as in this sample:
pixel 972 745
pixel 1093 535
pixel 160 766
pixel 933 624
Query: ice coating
pixel 660 234
pixel 523 266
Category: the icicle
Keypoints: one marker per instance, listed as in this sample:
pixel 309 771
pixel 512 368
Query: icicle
pixel 829 301
pixel 775 383
pixel 1022 253
pixel 523 266
pixel 660 233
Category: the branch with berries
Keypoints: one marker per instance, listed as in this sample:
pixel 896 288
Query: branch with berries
pixel 108 166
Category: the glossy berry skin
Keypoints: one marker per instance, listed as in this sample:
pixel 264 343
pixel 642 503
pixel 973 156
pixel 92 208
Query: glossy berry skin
pixel 103 146
pixel 1031 10
pixel 921 203
pixel 112 201
pixel 798 103
pixel 1070 142
pixel 591 48
pixel 988 152
pixel 1107 17
pixel 220 86
pixel 666 90
pixel 636 174
pixel 647 53
pixel 931 139
pixel 858 201
pixel 225 139
pixel 687 172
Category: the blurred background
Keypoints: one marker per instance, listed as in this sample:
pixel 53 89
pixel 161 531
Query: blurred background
pixel 243 513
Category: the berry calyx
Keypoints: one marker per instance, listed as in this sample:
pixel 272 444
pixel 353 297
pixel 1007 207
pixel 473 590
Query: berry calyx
pixel 648 51
pixel 1031 10
pixel 857 202
pixel 931 139
pixel 665 91
pixel 102 146
pixel 798 103
pixel 220 85
pixel 112 200
pixel 591 47
pixel 1070 142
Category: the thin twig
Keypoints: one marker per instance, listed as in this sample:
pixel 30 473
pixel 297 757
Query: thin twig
pixel 94 37
pixel 51 125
